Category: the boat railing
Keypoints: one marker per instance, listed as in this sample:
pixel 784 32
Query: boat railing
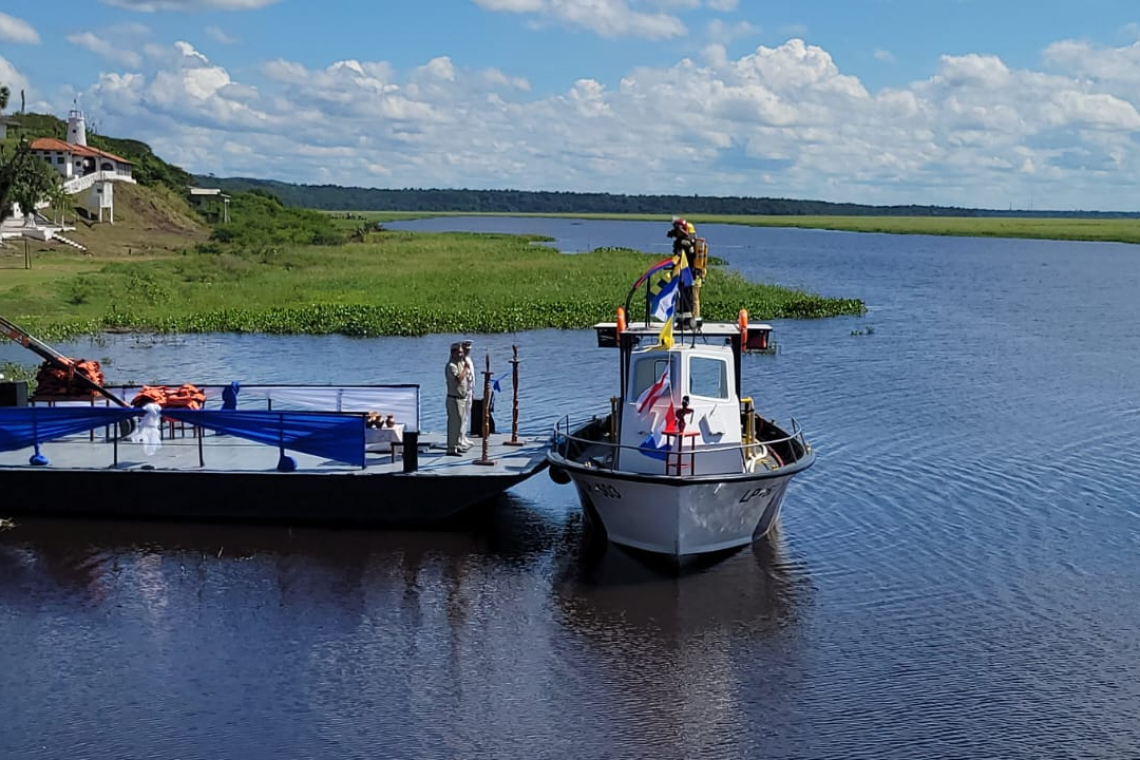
pixel 402 401
pixel 601 452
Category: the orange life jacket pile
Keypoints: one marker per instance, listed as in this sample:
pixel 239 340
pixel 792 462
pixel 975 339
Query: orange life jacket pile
pixel 56 381
pixel 183 397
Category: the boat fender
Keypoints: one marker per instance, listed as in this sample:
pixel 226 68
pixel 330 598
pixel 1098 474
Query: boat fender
pixel 559 475
pixel 742 322
pixel 620 320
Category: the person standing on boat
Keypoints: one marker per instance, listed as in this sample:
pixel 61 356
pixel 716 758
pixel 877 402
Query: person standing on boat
pixel 458 383
pixel 465 438
pixel 684 236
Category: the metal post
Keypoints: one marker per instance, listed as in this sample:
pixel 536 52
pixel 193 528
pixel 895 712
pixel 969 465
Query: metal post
pixel 514 399
pixel 27 256
pixel 486 458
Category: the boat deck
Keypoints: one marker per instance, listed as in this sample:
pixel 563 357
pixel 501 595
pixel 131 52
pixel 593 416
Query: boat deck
pixel 227 454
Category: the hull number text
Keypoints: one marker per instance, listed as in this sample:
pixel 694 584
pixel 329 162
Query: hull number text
pixel 755 492
pixel 605 489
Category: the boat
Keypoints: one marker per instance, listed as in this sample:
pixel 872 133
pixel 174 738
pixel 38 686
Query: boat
pixel 292 453
pixel 683 465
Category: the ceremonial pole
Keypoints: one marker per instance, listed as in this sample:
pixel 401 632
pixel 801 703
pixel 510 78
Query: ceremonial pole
pixel 515 399
pixel 486 458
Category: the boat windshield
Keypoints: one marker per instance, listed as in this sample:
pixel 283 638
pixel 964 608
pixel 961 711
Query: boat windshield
pixel 708 377
pixel 646 371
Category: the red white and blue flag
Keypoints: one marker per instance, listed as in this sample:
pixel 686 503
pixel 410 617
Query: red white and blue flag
pixel 655 446
pixel 650 395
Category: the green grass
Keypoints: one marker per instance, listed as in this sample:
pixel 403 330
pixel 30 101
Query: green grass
pixel 1095 230
pixel 392 283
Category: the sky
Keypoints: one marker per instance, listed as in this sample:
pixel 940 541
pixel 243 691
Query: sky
pixel 974 103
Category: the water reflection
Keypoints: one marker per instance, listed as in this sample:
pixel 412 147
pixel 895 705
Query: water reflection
pixel 682 656
pixel 603 588
pixel 86 557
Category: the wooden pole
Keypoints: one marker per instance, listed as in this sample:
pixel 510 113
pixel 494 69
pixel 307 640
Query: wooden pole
pixel 514 399
pixel 27 256
pixel 486 458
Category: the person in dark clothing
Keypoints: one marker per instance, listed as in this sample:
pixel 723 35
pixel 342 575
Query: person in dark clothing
pixel 684 237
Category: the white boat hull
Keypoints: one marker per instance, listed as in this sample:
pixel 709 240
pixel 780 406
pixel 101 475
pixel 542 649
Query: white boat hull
pixel 680 517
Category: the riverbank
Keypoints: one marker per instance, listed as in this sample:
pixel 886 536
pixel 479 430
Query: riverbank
pixel 1104 230
pixel 387 283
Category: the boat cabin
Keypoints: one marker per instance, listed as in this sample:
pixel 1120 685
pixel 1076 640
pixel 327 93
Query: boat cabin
pixel 680 408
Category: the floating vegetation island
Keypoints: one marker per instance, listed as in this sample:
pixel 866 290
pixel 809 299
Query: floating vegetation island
pixel 382 283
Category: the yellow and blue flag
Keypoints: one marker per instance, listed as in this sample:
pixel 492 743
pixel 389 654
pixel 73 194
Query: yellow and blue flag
pixel 663 300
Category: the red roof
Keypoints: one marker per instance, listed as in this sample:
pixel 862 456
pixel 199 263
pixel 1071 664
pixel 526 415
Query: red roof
pixel 51 143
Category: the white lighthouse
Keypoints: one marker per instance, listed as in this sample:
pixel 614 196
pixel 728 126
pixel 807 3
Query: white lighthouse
pixel 76 127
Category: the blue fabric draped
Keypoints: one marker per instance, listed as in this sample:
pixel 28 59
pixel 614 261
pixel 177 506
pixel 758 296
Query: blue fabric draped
pixel 26 426
pixel 334 436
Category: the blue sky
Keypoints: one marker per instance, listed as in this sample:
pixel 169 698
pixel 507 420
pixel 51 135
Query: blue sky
pixel 952 102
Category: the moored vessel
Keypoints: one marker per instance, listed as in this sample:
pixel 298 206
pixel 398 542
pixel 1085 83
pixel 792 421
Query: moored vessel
pixel 683 464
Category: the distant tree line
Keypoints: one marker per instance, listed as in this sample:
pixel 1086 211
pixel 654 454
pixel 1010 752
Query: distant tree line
pixel 338 198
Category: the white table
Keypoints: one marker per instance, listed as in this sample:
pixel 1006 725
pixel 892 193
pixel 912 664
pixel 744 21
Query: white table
pixel 381 439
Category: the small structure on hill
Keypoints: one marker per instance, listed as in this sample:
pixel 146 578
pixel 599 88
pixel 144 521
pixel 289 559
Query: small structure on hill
pixel 5 122
pixel 212 202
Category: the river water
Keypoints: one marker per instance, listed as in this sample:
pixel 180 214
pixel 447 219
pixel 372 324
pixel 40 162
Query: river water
pixel 956 577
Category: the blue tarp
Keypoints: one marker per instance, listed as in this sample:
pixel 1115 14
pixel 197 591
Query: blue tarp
pixel 26 426
pixel 334 436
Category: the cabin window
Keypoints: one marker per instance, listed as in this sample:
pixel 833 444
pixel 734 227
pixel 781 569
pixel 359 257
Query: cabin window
pixel 107 167
pixel 646 372
pixel 708 377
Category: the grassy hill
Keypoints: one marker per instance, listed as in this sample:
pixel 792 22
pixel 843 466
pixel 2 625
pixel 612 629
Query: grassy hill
pixel 147 220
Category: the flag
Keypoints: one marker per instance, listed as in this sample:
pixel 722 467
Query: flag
pixel 665 339
pixel 495 384
pixel 654 392
pixel 662 305
pixel 663 294
pixel 655 446
pixel 681 267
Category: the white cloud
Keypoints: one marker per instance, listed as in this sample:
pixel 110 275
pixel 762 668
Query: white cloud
pixel 610 19
pixel 884 55
pixel 723 33
pixel 150 6
pixel 105 49
pixel 217 34
pixel 11 78
pixel 17 30
pixel 783 120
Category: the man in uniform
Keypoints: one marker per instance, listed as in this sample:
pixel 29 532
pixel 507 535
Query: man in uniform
pixel 458 383
pixel 465 439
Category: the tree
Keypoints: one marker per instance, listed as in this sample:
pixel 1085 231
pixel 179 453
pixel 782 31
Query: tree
pixel 24 179
pixel 36 181
pixel 13 170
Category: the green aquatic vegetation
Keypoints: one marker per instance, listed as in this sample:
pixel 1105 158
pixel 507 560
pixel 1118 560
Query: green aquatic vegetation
pixel 11 371
pixel 394 283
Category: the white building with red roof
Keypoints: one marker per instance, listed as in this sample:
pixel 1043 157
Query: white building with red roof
pixel 86 172
pixel 75 159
